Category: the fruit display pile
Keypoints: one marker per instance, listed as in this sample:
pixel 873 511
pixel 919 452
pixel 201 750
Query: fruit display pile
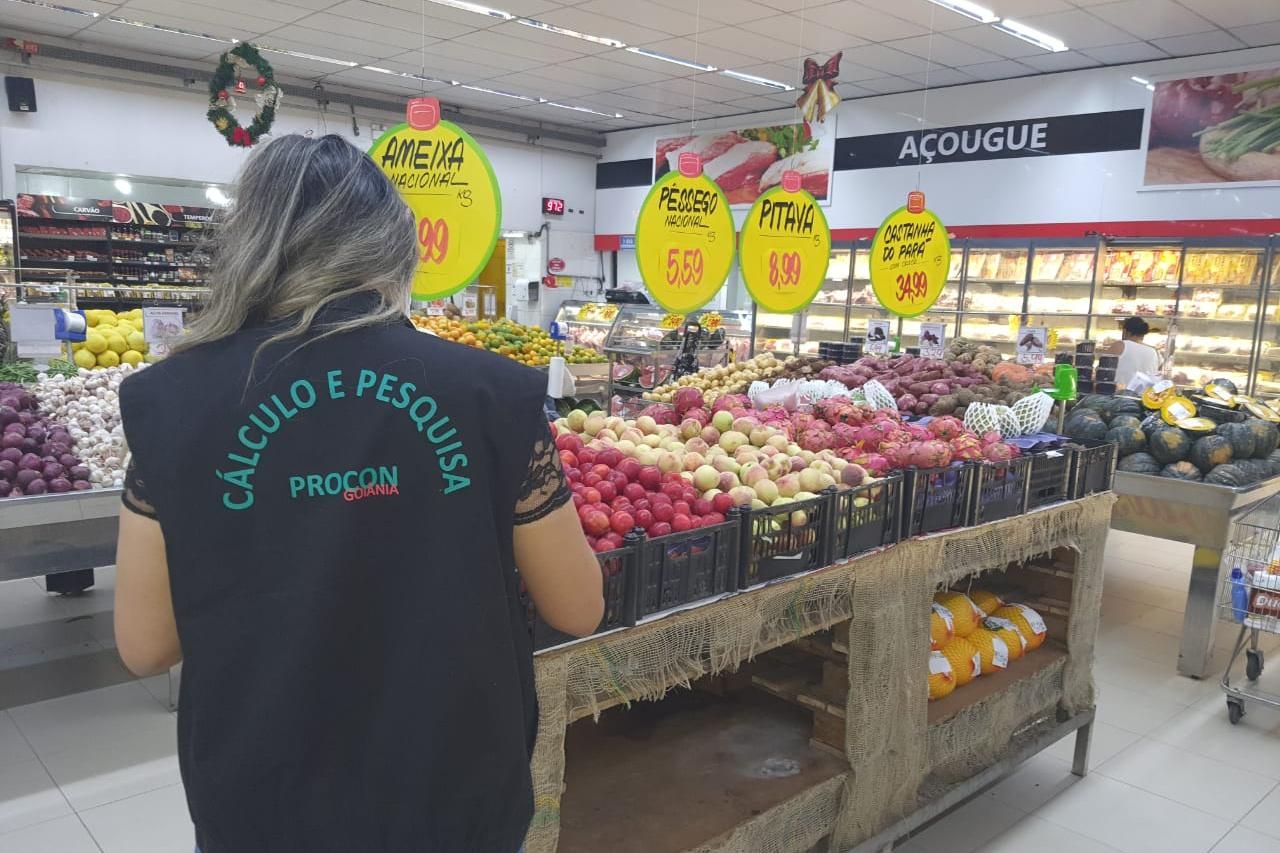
pixel 680 467
pixel 737 377
pixel 36 455
pixel 977 634
pixel 112 339
pixel 525 344
pixel 1157 442
pixel 88 403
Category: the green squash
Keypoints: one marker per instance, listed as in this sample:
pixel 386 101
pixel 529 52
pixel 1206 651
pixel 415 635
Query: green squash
pixel 1229 474
pixel 1169 445
pixel 1241 438
pixel 1181 471
pixel 1153 422
pixel 1139 463
pixel 1093 402
pixel 1266 437
pixel 1125 421
pixel 1211 451
pixel 1127 439
pixel 1125 405
pixel 1086 429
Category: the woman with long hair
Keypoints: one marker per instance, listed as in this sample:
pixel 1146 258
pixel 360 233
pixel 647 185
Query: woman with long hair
pixel 324 514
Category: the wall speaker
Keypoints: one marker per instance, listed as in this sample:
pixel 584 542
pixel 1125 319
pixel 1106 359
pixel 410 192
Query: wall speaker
pixel 22 94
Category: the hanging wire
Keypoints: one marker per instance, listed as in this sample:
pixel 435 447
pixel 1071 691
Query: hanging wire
pixel 693 93
pixel 423 80
pixel 924 104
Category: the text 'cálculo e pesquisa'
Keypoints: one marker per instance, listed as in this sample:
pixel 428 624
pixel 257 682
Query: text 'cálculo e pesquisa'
pixel 274 413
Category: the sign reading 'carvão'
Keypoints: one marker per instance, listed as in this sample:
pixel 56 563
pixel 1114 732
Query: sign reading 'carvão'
pixel 450 186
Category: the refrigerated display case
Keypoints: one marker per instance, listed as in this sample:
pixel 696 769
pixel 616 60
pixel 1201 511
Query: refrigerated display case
pixel 826 318
pixel 1217 317
pixel 586 324
pixel 1060 290
pixel 994 292
pixel 1266 377
pixel 8 244
pixel 946 310
pixel 863 305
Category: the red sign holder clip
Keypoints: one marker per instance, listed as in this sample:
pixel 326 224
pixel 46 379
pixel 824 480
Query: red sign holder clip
pixel 423 113
pixel 915 202
pixel 791 181
pixel 690 164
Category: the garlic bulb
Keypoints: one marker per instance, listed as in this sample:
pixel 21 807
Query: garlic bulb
pixel 89 405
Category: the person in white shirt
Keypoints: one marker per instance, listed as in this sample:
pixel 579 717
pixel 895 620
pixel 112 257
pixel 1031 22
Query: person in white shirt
pixel 1135 356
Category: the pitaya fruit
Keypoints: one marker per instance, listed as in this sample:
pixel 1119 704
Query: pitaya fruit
pixel 687 398
pixel 802 421
pixel 946 428
pixel 967 453
pixel 990 438
pixel 661 413
pixel 698 414
pixel 903 456
pixel 919 433
pixel 999 452
pixel 876 464
pixel 844 435
pixel 815 439
pixel 932 454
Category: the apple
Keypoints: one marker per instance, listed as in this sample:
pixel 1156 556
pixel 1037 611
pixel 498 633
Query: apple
pixel 663 512
pixel 789 485
pixel 596 523
pixel 799 519
pixel 645 423
pixel 593 495
pixel 594 424
pixel 725 463
pixel 742 495
pixel 728 481
pixel 608 491
pixel 681 507
pixel 650 477
pixel 643 519
pixel 576 420
pixel 610 456
pixel 681 523
pixel 713 518
pixel 767 491
pixel 710 435
pixel 627 448
pixel 693 461
pixel 758 504
pixel 646 455
pixel 778 441
pixel 744 425
pixel 570 442
pixel 629 468
pixel 721 420
pixel 634 491
pixel 760 435
pixel 568 460
pixel 622 522
pixel 615 423
pixel 674 491
pixel 696 445
pixel 562 425
pixel 660 528
pixel 798 464
pixel 706 477
pixel 631 434
pixel 591 478
pixel 689 428
pixel 587 456
pixel 753 474
pixel 701 506
pixel 810 480
pixel 808 456
pixel 732 440
pixel 614 540
pixel 607 435
pixel 769 451
pixel 672 445
pixel 822 465
pixel 853 475
pixel 827 480
pixel 652 440
pixel 578 500
pixel 793 449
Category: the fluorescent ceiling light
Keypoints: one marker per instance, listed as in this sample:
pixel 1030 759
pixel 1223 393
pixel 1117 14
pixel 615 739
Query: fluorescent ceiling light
pixel 475 7
pixel 1030 35
pixel 759 81
pixel 53 7
pixel 497 92
pixel 410 76
pixel 297 54
pixel 1144 83
pixel 580 109
pixel 156 28
pixel 653 54
pixel 561 31
pixel 123 186
pixel 971 11
pixel 217 196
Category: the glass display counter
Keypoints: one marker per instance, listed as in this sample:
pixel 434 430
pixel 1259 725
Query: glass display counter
pixel 1217 317
pixel 586 324
pixel 826 318
pixel 1266 379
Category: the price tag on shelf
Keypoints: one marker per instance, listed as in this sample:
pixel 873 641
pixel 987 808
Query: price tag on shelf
pixel 879 337
pixel 933 339
pixel 684 239
pixel 1033 344
pixel 910 256
pixel 161 326
pixel 785 248
pixel 447 181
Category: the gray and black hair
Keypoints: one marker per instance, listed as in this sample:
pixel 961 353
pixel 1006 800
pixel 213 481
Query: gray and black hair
pixel 313 221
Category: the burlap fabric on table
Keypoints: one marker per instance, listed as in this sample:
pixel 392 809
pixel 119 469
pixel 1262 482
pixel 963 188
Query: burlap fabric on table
pixel 890 746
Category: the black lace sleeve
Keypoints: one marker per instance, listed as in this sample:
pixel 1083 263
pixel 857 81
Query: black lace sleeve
pixel 544 488
pixel 135 495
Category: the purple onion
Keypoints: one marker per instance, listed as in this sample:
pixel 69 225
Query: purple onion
pixel 17 428
pixel 12 454
pixel 26 418
pixel 53 470
pixel 12 440
pixel 30 445
pixel 12 402
pixel 8 415
pixel 38 433
pixel 8 469
pixel 36 487
pixel 26 477
pixel 59 485
pixel 6 488
pixel 79 472
pixel 58 435
pixel 82 485
pixel 56 448
pixel 67 460
pixel 30 462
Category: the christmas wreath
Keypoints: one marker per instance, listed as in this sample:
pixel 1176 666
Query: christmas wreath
pixel 228 81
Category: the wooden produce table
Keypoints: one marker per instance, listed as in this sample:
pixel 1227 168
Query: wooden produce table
pixel 846 755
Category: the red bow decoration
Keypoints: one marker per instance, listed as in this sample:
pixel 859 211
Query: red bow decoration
pixel 819 96
pixel 240 136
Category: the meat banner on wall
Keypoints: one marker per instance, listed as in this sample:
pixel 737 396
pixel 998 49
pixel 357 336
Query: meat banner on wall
pixel 1213 130
pixel 748 161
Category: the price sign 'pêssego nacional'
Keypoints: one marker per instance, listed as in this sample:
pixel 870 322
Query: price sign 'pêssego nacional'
pixel 910 258
pixel 449 184
pixel 684 238
pixel 786 246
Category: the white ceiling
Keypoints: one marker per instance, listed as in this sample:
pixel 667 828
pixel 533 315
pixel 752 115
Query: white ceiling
pixel 889 45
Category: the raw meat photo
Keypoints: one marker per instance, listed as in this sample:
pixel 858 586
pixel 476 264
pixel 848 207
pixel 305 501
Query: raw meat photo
pixel 746 162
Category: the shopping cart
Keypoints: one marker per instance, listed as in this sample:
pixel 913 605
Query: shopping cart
pixel 1250 597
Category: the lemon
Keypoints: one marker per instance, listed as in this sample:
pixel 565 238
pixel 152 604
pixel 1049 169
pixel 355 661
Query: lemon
pixel 84 358
pixel 942 681
pixel 95 343
pixel 1028 623
pixel 988 602
pixel 91 318
pixel 116 344
pixel 108 359
pixel 137 341
pixel 131 357
pixel 964 613
pixel 966 663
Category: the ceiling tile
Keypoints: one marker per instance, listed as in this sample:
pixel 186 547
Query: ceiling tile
pixel 783 72
pixel 664 18
pixel 922 12
pixel 814 33
pixel 210 20
pixel 361 78
pixel 759 47
pixel 1020 9
pixel 1152 19
pixel 942 50
pixel 886 59
pixel 1078 29
pixel 1234 13
pixel 787 5
pixel 462 17
pixel 1001 70
pixel 335 44
pixel 352 28
pixel 535 84
pixel 490 43
pixel 682 90
pixel 307 69
pixel 269 9
pixel 1259 34
pixel 151 41
pixel 409 24
pixel 688 49
pixel 994 41
pixel 941 77
pixel 763 103
pixel 627 104
pixel 599 25
pixel 456 56
pixel 888 85
pixel 1068 61
pixel 1211 42
pixel 614 68
pixel 725 11
pixel 1118 54
pixel 49 20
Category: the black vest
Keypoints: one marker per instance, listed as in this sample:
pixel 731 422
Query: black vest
pixel 357 675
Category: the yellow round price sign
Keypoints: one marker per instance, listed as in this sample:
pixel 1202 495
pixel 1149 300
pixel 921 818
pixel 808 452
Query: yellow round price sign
pixel 910 258
pixel 684 240
pixel 449 184
pixel 785 248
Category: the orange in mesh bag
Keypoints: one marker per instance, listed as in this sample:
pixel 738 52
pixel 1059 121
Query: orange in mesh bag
pixel 992 649
pixel 1028 622
pixel 942 681
pixel 966 663
pixel 988 602
pixel 1009 633
pixel 941 629
pixel 965 615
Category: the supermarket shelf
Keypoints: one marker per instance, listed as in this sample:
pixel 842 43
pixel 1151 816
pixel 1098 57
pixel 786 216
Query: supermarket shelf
pixel 1216 320
pixel 55 238
pixel 55 262
pixel 989 685
pixel 181 243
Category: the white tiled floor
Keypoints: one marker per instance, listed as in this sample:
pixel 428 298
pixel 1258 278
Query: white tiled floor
pixel 95 772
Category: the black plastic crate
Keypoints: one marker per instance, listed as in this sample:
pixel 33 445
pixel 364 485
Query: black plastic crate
pixel 999 490
pixel 1050 477
pixel 936 499
pixel 619 568
pixel 779 541
pixel 866 517
pixel 1093 468
pixel 681 568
